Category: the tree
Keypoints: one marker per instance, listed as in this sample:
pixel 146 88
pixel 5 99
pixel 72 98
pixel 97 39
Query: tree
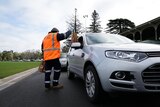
pixel 7 55
pixel 1 55
pixel 95 27
pixel 16 56
pixel 118 26
pixel 38 54
pixel 31 55
pixel 71 24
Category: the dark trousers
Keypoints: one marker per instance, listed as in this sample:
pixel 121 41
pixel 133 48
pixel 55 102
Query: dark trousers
pixel 55 67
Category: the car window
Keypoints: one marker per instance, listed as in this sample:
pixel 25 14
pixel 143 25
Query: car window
pixel 63 55
pixel 151 41
pixel 98 38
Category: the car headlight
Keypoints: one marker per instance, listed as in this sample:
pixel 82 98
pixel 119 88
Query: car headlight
pixel 126 55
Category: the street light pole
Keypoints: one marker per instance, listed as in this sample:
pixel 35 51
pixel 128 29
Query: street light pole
pixel 75 26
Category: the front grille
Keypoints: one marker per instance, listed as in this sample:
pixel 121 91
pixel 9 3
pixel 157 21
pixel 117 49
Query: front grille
pixel 152 87
pixel 153 54
pixel 151 75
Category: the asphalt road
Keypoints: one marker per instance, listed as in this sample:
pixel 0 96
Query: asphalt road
pixel 30 92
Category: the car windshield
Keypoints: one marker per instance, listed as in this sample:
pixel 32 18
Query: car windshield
pixel 97 38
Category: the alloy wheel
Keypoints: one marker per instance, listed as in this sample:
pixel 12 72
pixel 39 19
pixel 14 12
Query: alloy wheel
pixel 90 84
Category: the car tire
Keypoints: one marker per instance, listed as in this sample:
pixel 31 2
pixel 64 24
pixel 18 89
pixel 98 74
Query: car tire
pixel 92 84
pixel 70 74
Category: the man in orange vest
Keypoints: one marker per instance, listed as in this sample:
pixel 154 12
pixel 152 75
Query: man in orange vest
pixel 51 55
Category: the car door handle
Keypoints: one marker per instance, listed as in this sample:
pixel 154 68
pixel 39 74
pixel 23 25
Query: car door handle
pixel 82 55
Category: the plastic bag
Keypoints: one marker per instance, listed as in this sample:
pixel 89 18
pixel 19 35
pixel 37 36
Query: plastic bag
pixel 41 67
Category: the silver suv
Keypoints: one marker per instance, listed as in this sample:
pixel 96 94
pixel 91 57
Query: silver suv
pixel 110 62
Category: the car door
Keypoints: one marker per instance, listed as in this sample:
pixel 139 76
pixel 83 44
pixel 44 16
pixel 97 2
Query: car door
pixel 78 60
pixel 71 60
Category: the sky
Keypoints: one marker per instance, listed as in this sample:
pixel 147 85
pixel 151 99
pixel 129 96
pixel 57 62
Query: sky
pixel 24 23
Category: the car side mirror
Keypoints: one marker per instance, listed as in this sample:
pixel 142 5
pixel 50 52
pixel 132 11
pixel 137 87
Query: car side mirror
pixel 76 45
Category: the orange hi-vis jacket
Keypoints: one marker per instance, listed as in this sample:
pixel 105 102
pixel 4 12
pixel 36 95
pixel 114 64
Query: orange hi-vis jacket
pixel 51 47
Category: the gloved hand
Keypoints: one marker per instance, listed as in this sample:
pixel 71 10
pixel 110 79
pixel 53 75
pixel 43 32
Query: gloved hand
pixel 68 33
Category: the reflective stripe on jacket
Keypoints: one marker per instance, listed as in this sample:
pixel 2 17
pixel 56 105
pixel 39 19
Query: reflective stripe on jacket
pixel 51 47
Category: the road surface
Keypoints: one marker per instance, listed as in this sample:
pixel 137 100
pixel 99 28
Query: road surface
pixel 30 92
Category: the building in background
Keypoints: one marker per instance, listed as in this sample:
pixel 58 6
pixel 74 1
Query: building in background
pixel 147 31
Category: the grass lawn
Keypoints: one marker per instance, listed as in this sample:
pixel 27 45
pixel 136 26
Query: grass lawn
pixel 10 68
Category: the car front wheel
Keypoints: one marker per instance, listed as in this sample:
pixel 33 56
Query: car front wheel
pixel 92 84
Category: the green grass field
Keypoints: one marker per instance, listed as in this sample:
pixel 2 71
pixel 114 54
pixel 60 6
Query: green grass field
pixel 10 68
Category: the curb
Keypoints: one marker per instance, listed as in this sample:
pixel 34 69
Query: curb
pixel 8 81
